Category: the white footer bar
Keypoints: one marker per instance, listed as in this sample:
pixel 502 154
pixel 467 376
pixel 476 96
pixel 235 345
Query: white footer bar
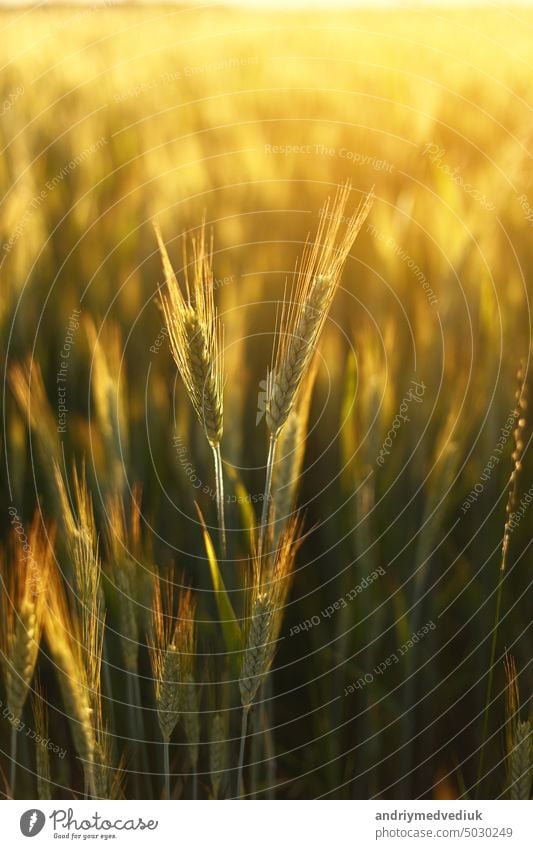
pixel 268 825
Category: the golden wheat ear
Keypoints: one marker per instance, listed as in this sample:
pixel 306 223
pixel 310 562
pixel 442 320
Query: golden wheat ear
pixel 27 385
pixel 189 690
pixel 195 335
pixel 125 560
pixel 24 584
pixel 65 641
pixel 109 394
pixel 303 316
pixel 82 545
pixel 165 659
pixel 290 454
pixel 24 596
pixel 302 320
pixel 266 599
pixel 171 642
pixel 196 341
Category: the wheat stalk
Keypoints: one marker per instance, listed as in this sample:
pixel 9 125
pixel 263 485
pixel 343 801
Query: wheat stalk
pixel 42 755
pixel 191 725
pixel 521 401
pixel 303 317
pixel 107 779
pixel 218 752
pixel 518 737
pixel 195 334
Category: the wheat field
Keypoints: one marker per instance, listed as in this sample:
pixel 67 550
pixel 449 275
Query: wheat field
pixel 265 285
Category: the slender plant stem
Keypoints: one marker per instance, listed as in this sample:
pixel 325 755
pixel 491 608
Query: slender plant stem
pixel 490 677
pixel 244 727
pixel 92 786
pixel 166 760
pixel 195 785
pixel 108 689
pixel 13 775
pixel 407 755
pixel 219 478
pixel 265 515
pixel 134 730
pixel 266 724
pixel 140 734
pixel 256 757
pixel 89 783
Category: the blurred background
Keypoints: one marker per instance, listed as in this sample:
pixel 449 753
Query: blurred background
pixel 250 118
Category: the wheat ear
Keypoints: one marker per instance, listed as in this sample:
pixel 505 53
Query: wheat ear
pixel 303 317
pixel 290 455
pixel 271 578
pixel 125 556
pixel 520 758
pixel 190 701
pixel 82 545
pixel 27 384
pixel 23 609
pixel 170 637
pixel 109 393
pixel 195 335
pixel 123 570
pixel 64 639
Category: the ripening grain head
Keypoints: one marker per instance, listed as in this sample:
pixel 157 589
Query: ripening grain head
pixel 64 638
pixel 82 545
pixel 126 572
pixel 195 334
pixel 303 316
pixel 290 455
pixel 271 576
pixel 109 393
pixel 171 636
pixel 23 609
pixel 27 384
